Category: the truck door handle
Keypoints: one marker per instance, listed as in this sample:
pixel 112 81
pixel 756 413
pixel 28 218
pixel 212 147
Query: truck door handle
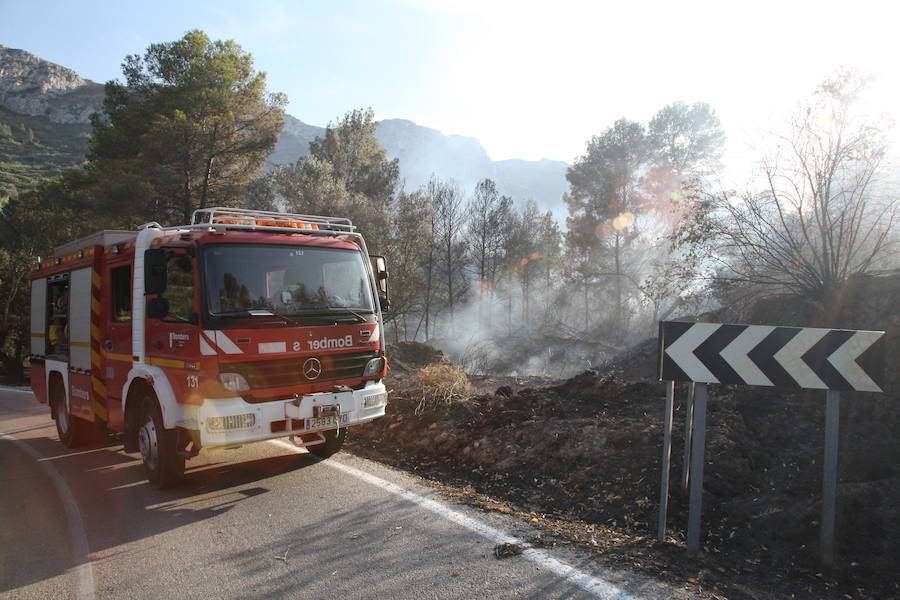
pixel 108 345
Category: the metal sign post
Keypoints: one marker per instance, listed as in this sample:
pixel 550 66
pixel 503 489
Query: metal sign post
pixel 688 431
pixel 762 355
pixel 829 475
pixel 667 457
pixel 697 459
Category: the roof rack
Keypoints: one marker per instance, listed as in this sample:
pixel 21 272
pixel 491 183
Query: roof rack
pixel 241 218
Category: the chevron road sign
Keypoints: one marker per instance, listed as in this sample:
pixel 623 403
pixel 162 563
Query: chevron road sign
pixel 791 357
pixel 834 360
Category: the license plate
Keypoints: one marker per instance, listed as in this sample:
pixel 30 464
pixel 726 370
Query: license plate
pixel 329 421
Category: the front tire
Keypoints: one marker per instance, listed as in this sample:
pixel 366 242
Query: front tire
pixel 334 440
pixel 158 447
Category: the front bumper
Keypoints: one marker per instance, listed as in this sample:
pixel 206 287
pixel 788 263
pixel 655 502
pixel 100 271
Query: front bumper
pixel 227 421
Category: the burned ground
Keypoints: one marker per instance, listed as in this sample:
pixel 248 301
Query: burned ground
pixel 583 456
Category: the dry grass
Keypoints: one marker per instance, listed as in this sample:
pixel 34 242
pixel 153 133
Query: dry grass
pixel 439 384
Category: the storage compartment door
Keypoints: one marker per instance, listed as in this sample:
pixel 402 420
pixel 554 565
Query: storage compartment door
pixel 80 319
pixel 39 317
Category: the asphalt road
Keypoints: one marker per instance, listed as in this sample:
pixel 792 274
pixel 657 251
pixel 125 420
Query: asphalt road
pixel 263 521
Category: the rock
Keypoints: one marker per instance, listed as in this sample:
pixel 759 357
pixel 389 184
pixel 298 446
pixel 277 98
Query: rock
pixel 32 86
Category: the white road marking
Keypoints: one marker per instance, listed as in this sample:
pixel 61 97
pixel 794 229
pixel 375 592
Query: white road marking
pixel 586 581
pixel 83 570
pixel 16 390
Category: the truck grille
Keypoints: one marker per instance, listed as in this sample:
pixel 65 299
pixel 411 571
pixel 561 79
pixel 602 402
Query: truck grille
pixel 289 371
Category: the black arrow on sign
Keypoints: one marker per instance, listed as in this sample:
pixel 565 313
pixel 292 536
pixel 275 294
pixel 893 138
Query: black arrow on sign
pixel 817 359
pixel 670 331
pixel 763 356
pixel 872 360
pixel 709 353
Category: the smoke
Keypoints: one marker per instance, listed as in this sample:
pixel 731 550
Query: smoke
pixel 551 329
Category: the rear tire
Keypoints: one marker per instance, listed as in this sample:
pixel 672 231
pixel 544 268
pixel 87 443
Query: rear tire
pixel 73 431
pixel 334 440
pixel 158 447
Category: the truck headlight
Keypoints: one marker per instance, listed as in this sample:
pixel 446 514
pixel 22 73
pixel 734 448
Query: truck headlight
pixel 373 367
pixel 234 382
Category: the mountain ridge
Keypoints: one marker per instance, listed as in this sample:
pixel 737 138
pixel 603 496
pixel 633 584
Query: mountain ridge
pixel 35 87
pixel 424 150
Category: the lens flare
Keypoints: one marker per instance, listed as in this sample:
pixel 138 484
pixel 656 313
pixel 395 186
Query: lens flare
pixel 623 221
pixel 824 120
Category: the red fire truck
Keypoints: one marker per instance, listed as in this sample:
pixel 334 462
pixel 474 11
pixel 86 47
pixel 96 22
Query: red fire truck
pixel 239 327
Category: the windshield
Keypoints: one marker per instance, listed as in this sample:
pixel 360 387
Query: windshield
pixel 286 280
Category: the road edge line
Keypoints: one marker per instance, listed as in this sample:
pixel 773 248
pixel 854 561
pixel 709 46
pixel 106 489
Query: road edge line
pixel 83 570
pixel 589 583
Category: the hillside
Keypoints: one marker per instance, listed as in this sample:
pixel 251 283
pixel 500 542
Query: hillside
pixel 582 457
pixel 33 148
pixel 293 141
pixel 44 114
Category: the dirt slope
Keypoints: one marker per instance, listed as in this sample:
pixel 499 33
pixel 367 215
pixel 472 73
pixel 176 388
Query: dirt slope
pixel 584 456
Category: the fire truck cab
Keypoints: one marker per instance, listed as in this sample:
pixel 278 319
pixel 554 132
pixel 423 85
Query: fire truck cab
pixel 240 327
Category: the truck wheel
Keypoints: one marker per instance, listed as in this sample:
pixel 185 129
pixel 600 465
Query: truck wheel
pixel 158 447
pixel 334 440
pixel 72 430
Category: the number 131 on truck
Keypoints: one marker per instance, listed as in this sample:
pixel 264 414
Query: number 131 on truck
pixel 239 327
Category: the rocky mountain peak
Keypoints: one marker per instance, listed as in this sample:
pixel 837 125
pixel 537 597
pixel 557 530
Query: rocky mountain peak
pixel 36 87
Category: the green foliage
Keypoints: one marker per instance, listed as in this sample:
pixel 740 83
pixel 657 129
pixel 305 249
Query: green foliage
pixel 410 240
pixel 687 138
pixel 347 175
pixel 628 189
pixel 489 217
pixel 191 127
pixel 33 148
pixel 358 161
pixel 603 183
pixel 31 225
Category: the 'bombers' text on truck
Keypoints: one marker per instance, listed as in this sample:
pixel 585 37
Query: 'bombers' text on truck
pixel 240 327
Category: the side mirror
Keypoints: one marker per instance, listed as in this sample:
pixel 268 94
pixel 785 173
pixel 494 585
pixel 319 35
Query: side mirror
pixel 379 266
pixel 157 308
pixel 154 271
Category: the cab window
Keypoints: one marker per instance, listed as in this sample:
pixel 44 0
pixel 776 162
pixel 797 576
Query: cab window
pixel 180 286
pixel 121 293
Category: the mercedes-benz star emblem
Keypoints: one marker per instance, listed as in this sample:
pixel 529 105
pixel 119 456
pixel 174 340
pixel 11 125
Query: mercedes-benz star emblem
pixel 312 368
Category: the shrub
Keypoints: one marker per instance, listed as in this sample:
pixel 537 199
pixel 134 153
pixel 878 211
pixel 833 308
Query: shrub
pixel 435 385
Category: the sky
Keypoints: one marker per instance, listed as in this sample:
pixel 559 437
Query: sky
pixel 529 80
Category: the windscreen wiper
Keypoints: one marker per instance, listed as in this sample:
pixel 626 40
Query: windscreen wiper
pixel 254 312
pixel 349 310
pixel 332 314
